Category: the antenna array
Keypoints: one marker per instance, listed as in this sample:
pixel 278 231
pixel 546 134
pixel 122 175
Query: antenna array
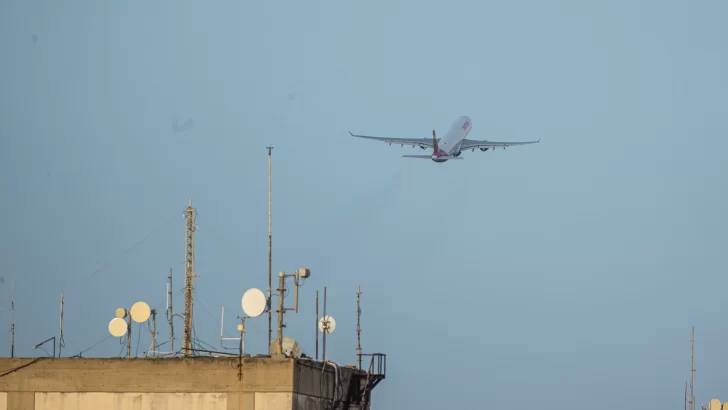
pixel 139 312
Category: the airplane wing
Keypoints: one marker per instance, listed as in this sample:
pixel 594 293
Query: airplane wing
pixel 422 142
pixel 472 144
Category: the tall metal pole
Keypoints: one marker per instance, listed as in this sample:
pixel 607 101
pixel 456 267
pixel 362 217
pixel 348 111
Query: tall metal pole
pixel 128 335
pixel 270 251
pixel 60 334
pixel 189 278
pixel 326 325
pixel 170 313
pixel 12 317
pixel 281 289
pixel 154 332
pixel 358 328
pixel 692 368
pixel 317 319
pixel 686 396
pixel 242 336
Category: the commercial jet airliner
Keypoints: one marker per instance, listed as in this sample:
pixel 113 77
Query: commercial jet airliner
pixel 449 147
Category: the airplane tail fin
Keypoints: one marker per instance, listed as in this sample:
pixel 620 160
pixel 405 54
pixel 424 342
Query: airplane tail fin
pixel 434 141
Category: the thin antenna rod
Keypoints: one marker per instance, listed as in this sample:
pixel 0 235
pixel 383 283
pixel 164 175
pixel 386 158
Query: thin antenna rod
pixel 692 368
pixel 189 278
pixel 281 311
pixel 12 317
pixel 270 251
pixel 317 319
pixel 154 332
pixel 170 312
pixel 128 336
pixel 358 328
pixel 686 395
pixel 60 335
pixel 326 325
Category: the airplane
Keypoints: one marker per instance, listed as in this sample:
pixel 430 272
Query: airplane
pixel 449 147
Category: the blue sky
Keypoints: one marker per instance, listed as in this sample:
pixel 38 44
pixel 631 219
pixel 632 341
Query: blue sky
pixel 560 273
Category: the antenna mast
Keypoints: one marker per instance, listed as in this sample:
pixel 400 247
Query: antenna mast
pixel 189 277
pixel 170 312
pixel 154 332
pixel 270 252
pixel 325 326
pixel 692 368
pixel 60 335
pixel 358 328
pixel 12 317
pixel 317 319
pixel 686 396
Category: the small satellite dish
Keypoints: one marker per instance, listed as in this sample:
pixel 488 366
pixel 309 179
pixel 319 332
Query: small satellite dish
pixel 117 327
pixel 121 313
pixel 303 273
pixel 254 302
pixel 714 404
pixel 725 406
pixel 140 312
pixel 290 347
pixel 332 324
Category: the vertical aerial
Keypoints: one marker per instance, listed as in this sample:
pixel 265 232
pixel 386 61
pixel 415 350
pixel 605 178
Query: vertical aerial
pixel 154 332
pixel 170 312
pixel 317 319
pixel 60 332
pixel 189 278
pixel 326 318
pixel 692 372
pixel 358 328
pixel 270 252
pixel 12 316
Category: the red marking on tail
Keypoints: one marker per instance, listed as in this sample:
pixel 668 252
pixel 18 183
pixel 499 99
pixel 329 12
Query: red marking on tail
pixel 434 140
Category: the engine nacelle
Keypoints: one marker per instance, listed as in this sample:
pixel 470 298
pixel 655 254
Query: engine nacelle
pixel 457 154
pixel 484 149
pixel 422 146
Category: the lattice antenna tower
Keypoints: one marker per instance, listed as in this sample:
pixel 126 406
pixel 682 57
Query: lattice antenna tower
pixel 190 275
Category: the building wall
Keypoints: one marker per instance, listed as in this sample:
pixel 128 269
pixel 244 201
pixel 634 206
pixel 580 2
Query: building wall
pixel 171 383
pixel 123 401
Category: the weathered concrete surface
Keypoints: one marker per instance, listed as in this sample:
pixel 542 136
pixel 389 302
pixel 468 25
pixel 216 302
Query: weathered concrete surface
pixel 175 383
pixel 189 375
pixel 137 401
pixel 273 401
pixel 21 401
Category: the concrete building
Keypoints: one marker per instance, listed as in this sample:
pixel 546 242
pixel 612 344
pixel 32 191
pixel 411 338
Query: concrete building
pixel 193 383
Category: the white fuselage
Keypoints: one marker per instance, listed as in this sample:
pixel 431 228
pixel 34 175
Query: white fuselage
pixel 449 145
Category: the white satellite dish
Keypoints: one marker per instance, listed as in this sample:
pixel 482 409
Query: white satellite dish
pixel 254 302
pixel 140 312
pixel 290 346
pixel 714 405
pixel 121 313
pixel 332 324
pixel 117 327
